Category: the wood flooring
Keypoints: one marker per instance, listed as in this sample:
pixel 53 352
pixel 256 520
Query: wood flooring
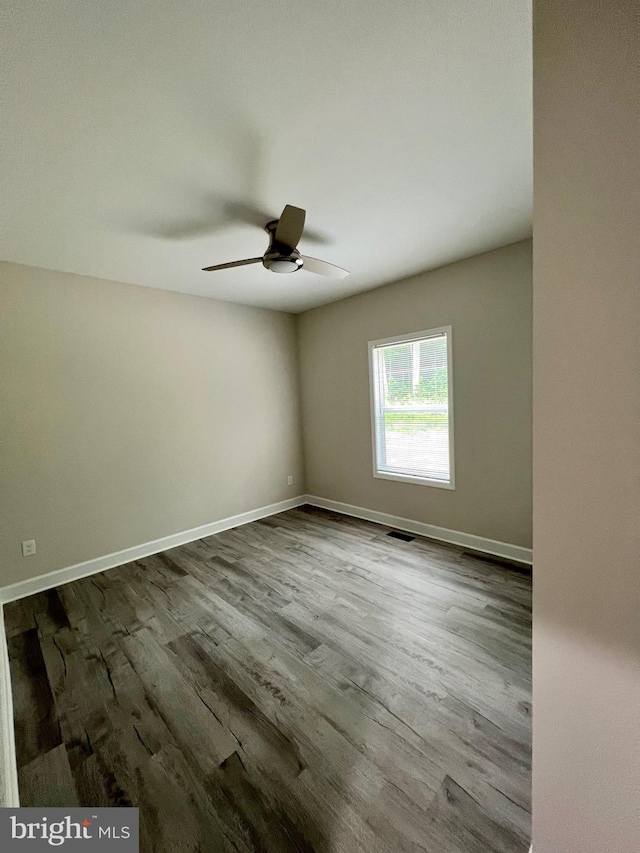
pixel 302 683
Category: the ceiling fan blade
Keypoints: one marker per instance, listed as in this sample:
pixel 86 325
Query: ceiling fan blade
pixel 290 226
pixel 323 268
pixel 232 264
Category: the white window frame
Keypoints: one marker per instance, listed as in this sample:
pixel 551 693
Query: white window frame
pixel 405 339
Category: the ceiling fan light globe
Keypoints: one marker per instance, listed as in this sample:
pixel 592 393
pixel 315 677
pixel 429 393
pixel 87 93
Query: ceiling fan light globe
pixel 284 265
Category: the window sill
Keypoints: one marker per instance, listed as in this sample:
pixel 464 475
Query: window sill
pixel 421 481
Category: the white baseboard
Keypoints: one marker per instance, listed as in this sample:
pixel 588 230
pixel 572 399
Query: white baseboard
pixel 40 583
pixel 443 534
pixel 21 589
pixel 9 797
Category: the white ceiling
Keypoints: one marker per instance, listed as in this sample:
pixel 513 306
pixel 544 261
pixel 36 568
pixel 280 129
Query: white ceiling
pixel 142 139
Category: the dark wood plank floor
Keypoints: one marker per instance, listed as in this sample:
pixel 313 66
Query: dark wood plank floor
pixel 303 683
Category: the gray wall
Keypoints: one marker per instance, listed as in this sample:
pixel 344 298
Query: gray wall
pixel 487 301
pixel 131 413
pixel 586 697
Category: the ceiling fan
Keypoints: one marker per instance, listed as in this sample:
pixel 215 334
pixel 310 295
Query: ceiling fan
pixel 282 255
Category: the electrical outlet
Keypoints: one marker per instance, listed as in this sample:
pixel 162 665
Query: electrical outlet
pixel 28 547
pixel 289 480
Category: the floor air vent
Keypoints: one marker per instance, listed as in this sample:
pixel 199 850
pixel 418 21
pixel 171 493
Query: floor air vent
pixel 404 536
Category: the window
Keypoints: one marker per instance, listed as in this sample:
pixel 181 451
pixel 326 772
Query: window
pixel 412 408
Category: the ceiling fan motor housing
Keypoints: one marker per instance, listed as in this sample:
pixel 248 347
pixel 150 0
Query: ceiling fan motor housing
pixel 279 257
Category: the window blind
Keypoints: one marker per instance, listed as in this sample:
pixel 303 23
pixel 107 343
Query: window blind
pixel 411 407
